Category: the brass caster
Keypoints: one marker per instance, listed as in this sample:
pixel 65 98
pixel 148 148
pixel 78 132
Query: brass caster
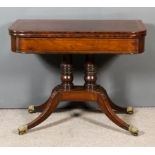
pixel 134 131
pixel 31 109
pixel 22 130
pixel 129 110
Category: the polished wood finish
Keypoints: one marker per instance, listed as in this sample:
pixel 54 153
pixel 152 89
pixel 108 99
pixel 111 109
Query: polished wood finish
pixel 78 37
pixel 77 46
pixel 90 73
pixel 77 28
pixel 67 73
pixel 78 93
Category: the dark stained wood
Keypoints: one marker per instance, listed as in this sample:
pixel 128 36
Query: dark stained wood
pixel 90 73
pixel 78 93
pixel 78 46
pixel 67 72
pixel 82 28
pixel 49 108
pixel 68 92
pixel 78 37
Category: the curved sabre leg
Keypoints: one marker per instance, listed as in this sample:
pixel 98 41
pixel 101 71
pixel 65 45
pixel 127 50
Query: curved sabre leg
pixel 106 107
pixel 50 107
pixel 39 108
pixel 128 110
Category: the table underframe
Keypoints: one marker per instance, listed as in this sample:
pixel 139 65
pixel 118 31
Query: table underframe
pixel 90 91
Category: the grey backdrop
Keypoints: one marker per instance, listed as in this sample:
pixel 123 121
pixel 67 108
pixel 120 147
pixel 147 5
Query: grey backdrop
pixel 27 79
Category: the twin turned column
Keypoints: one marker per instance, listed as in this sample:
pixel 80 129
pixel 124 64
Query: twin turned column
pixel 67 72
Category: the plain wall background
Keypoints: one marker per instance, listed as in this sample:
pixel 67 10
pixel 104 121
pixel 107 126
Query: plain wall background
pixel 29 79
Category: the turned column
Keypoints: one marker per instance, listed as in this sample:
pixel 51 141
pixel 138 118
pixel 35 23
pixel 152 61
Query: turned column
pixel 66 72
pixel 90 72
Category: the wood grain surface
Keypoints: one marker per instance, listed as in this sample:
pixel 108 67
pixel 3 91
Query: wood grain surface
pixel 78 36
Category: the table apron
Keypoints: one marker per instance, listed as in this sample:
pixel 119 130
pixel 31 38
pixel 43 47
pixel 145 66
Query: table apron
pixel 77 45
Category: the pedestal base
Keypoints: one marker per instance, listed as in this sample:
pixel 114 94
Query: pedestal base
pixel 89 92
pixel 79 93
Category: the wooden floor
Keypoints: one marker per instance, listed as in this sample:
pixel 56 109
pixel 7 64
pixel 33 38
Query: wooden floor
pixel 77 128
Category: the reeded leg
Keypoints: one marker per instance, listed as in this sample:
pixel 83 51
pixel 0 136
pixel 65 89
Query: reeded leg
pixel 128 110
pixel 39 108
pixel 50 107
pixel 104 103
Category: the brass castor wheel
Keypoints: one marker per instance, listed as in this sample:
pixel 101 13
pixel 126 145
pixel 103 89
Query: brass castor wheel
pixel 22 130
pixel 133 130
pixel 31 109
pixel 130 110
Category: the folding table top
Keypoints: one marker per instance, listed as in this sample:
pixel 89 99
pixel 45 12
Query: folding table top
pixel 78 36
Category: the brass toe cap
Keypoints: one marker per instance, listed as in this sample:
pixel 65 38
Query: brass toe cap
pixel 31 109
pixel 22 130
pixel 134 131
pixel 130 110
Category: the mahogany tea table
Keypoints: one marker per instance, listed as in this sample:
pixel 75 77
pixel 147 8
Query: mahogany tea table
pixel 88 37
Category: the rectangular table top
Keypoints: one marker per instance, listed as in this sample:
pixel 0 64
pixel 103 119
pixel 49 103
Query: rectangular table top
pixel 78 36
pixel 39 27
